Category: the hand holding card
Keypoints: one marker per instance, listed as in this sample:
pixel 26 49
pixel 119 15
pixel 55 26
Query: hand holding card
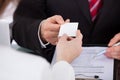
pixel 69 29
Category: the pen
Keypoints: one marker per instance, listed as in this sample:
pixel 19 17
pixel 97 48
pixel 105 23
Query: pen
pixel 102 52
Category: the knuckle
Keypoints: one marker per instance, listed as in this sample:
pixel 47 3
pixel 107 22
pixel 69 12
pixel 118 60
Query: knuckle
pixel 57 15
pixel 117 36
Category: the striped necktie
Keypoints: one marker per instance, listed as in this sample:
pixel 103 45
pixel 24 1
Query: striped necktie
pixel 94 5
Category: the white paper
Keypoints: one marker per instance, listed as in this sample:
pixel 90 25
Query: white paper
pixel 86 66
pixel 69 29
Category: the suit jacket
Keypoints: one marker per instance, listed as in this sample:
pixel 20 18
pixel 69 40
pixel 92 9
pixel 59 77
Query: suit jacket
pixel 30 13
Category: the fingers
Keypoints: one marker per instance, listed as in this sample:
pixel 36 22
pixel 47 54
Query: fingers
pixel 49 26
pixel 67 20
pixel 113 52
pixel 114 40
pixel 53 27
pixel 50 36
pixel 54 41
pixel 56 19
pixel 79 34
pixel 68 38
pixel 63 38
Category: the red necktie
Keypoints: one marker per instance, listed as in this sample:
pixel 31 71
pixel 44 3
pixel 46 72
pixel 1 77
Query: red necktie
pixel 95 5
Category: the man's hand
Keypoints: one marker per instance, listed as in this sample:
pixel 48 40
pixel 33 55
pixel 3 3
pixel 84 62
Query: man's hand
pixel 114 52
pixel 69 48
pixel 50 29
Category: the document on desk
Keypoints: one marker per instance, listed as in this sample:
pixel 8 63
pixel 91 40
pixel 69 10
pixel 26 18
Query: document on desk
pixel 86 66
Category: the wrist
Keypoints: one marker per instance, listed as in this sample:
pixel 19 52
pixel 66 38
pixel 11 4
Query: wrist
pixel 64 59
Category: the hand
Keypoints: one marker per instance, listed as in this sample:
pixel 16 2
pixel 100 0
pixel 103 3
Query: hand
pixel 114 52
pixel 69 48
pixel 50 29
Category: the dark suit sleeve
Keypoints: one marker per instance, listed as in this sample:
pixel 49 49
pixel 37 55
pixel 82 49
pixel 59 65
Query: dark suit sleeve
pixel 27 18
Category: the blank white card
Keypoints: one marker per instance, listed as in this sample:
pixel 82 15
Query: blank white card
pixel 69 29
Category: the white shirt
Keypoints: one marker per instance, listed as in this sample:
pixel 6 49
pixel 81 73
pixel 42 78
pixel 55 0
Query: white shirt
pixel 17 65
pixel 39 37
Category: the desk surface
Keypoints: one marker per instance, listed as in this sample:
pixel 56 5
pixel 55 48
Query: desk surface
pixel 16 65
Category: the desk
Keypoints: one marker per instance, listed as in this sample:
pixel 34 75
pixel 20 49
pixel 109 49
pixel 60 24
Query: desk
pixel 16 65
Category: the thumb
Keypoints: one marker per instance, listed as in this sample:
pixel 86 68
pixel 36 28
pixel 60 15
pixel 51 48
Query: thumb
pixel 79 34
pixel 114 40
pixel 67 20
pixel 63 38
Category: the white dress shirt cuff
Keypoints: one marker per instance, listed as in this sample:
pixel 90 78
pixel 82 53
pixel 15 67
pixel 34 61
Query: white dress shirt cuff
pixel 42 44
pixel 62 70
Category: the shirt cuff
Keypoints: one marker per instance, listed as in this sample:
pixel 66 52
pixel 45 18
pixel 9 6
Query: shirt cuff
pixel 42 44
pixel 62 70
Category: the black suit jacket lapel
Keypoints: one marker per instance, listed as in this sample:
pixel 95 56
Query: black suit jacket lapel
pixel 105 10
pixel 84 7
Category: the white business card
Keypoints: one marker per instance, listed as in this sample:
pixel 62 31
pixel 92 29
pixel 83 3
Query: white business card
pixel 69 29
